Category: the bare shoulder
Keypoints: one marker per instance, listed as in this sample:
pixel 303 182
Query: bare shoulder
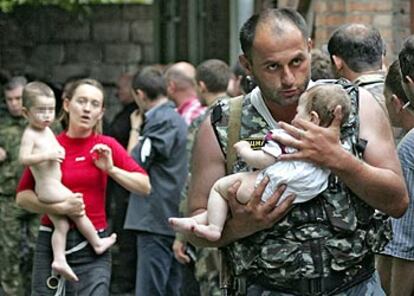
pixel 375 127
pixel 207 165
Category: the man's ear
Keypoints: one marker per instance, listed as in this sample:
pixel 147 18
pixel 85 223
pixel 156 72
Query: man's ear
pixel 202 86
pixel 25 112
pixel 171 87
pixel 396 102
pixel 338 62
pixel 408 86
pixel 244 61
pixel 310 44
pixel 314 118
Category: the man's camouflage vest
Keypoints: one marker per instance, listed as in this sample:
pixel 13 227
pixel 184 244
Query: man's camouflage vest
pixel 333 232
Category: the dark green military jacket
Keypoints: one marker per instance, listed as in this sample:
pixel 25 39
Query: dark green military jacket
pixel 333 232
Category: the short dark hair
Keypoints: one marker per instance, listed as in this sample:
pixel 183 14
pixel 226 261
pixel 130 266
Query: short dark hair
pixel 15 82
pixel 393 81
pixel 215 74
pixel 360 46
pixel 406 58
pixel 321 65
pixel 151 81
pixel 248 30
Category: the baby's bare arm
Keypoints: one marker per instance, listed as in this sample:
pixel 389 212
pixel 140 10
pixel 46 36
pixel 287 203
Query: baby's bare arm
pixel 254 158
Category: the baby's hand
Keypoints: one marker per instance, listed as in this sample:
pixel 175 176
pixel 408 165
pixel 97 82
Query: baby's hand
pixel 240 146
pixel 57 154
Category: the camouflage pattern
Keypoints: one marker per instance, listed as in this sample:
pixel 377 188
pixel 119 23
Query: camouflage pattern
pixel 18 228
pixel 374 83
pixel 332 232
pixel 207 263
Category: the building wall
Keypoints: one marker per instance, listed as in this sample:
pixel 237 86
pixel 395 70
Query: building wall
pixel 52 45
pixel 392 18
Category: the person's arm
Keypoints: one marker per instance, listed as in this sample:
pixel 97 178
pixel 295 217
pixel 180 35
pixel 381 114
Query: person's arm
pixel 135 182
pixel 136 122
pixel 72 206
pixel 28 158
pixel 257 159
pixel 378 179
pixel 208 165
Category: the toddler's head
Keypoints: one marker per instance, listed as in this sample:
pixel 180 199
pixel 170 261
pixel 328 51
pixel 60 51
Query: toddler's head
pixel 38 104
pixel 318 103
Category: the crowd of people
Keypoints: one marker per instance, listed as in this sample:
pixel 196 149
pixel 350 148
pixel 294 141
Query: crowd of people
pixel 290 174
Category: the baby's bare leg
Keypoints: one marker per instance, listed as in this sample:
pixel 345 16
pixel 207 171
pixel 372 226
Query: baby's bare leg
pixel 59 264
pixel 187 224
pixel 217 206
pixel 85 226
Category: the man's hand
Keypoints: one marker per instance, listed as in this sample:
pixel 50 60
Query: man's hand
pixel 256 215
pixel 179 251
pixel 319 145
pixel 73 205
pixel 136 119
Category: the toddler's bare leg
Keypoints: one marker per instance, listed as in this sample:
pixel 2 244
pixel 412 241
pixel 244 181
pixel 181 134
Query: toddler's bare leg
pixel 59 264
pixel 85 226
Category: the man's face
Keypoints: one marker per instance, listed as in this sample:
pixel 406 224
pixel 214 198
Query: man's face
pixel 124 92
pixel 14 101
pixel 280 64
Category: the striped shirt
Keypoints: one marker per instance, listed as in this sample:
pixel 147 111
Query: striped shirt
pixel 402 244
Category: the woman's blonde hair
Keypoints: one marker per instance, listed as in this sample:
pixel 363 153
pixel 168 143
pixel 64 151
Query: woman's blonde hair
pixel 64 116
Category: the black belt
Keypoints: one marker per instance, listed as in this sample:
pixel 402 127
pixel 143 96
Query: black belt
pixel 335 283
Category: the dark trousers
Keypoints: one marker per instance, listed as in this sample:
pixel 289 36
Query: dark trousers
pixel 158 272
pixel 94 271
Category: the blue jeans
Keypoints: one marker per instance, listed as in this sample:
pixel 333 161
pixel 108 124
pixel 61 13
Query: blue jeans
pixel 369 287
pixel 158 272
pixel 93 271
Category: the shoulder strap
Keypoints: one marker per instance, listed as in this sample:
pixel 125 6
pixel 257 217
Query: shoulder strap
pixel 233 133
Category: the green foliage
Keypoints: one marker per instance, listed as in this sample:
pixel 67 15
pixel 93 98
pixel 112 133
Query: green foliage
pixel 70 5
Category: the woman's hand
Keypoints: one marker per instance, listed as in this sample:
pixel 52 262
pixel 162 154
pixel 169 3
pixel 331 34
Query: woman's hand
pixel 102 157
pixel 73 205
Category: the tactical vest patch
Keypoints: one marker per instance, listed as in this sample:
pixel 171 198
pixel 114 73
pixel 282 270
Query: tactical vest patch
pixel 256 143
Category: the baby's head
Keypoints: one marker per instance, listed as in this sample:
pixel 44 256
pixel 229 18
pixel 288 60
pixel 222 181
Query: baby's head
pixel 318 103
pixel 38 104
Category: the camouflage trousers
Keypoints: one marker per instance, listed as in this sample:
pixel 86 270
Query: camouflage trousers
pixel 18 233
pixel 369 287
pixel 207 271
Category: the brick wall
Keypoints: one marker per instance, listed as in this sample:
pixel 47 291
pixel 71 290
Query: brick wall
pixel 392 18
pixel 52 45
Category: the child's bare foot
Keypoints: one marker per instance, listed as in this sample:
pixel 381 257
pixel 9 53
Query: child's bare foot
pixel 64 270
pixel 182 225
pixel 105 243
pixel 210 232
